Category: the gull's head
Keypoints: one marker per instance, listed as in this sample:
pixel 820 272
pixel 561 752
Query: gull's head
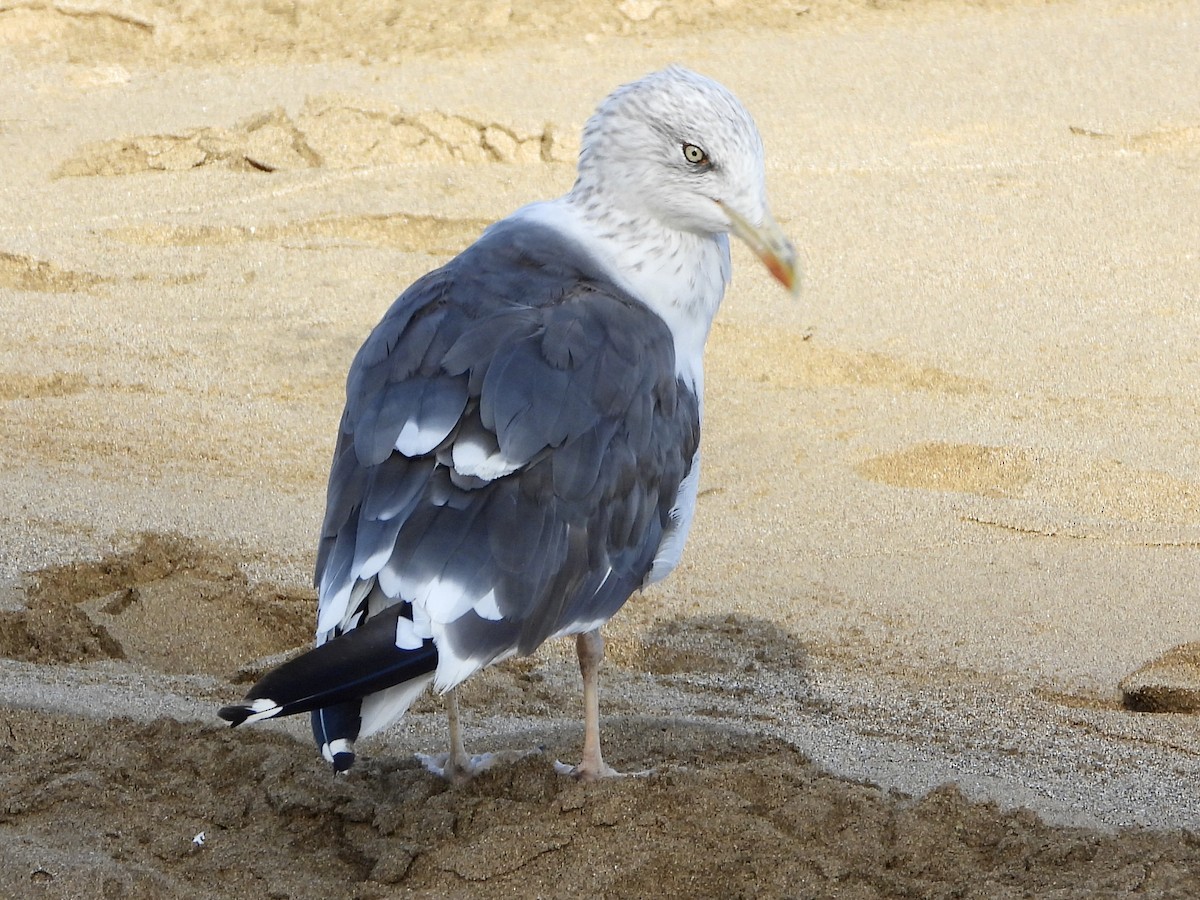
pixel 680 148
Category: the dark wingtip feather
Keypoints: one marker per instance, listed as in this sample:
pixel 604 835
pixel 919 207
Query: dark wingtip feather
pixel 235 715
pixel 346 668
pixel 257 708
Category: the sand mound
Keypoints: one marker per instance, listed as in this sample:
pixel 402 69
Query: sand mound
pixel 170 604
pixel 727 814
pixel 330 132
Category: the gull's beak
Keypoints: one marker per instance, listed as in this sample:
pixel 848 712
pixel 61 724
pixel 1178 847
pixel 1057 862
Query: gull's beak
pixel 770 244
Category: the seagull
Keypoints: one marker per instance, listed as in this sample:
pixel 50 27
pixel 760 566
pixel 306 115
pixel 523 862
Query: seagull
pixel 520 447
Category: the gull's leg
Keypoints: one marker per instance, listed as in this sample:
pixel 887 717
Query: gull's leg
pixel 590 648
pixel 457 766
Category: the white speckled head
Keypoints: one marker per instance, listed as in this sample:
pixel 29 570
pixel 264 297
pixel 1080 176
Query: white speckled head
pixel 677 145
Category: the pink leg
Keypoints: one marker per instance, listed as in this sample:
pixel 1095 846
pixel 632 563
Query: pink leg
pixel 590 648
pixel 457 766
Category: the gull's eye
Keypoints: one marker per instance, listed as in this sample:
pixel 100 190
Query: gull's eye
pixel 694 155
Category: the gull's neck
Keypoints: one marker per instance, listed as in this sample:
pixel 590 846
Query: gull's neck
pixel 680 275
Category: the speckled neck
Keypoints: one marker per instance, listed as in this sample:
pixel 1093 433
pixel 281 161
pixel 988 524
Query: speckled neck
pixel 678 274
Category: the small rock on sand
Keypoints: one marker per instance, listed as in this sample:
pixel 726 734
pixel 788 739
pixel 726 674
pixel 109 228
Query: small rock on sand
pixel 1170 683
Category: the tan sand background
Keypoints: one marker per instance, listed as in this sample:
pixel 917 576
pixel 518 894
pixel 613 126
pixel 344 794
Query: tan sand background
pixel 951 496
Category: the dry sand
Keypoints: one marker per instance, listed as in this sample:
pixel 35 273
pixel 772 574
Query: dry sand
pixel 951 499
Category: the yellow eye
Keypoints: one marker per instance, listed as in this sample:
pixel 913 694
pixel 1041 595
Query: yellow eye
pixel 694 155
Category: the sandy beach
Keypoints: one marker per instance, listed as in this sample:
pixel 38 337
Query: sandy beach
pixel 937 629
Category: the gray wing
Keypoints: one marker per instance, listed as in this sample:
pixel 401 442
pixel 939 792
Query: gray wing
pixel 513 443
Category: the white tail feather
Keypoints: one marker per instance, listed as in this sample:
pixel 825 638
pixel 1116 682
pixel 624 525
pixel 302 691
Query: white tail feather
pixel 381 709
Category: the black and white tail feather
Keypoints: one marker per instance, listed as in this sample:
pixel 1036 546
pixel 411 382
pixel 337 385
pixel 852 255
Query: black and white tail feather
pixel 331 681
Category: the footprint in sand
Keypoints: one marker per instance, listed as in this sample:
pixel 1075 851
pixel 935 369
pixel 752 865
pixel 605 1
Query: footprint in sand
pixel 171 604
pixel 24 273
pixel 709 644
pixel 18 386
pixel 965 468
pixel 409 234
pixel 1074 487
